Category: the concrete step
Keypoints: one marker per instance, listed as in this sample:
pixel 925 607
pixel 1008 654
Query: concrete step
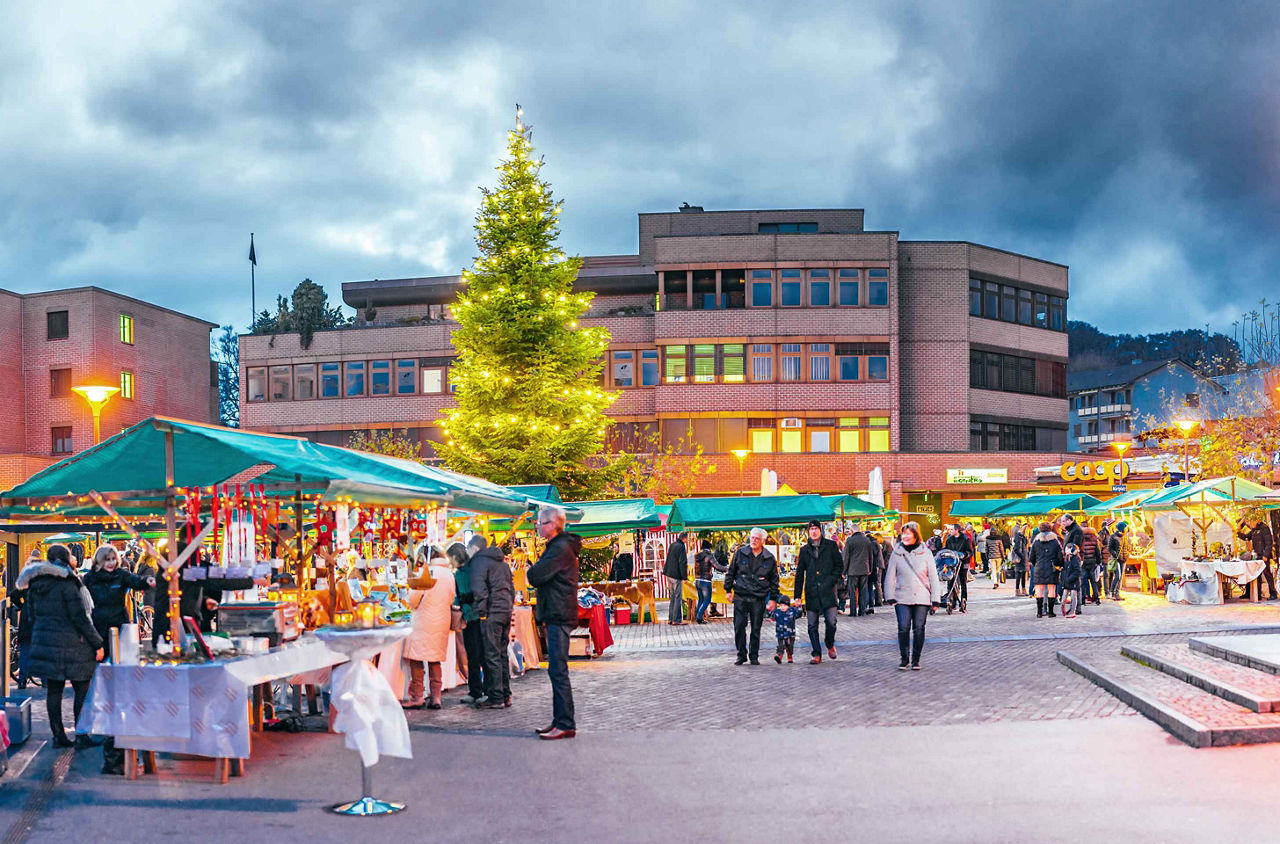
pixel 1191 714
pixel 1254 690
pixel 1259 652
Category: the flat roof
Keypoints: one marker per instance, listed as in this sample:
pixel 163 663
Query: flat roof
pixel 992 248
pixel 95 289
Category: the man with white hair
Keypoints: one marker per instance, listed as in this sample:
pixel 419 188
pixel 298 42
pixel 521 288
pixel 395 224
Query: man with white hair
pixel 752 580
pixel 555 576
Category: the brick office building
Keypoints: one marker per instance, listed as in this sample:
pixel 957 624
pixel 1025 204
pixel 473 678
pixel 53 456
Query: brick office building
pixel 822 348
pixel 158 358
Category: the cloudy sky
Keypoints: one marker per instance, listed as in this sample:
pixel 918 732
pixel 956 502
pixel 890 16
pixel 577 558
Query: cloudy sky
pixel 141 142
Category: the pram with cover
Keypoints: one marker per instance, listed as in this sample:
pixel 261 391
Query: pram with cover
pixel 948 563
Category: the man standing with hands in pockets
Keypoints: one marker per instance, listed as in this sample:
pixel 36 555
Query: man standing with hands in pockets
pixel 752 583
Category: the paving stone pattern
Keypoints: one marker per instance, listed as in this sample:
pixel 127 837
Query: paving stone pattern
pixel 1258 683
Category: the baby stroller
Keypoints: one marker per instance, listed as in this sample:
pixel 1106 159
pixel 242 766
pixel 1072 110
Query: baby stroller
pixel 948 563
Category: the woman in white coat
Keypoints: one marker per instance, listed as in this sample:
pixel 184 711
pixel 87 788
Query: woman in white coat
pixel 912 587
pixel 431 597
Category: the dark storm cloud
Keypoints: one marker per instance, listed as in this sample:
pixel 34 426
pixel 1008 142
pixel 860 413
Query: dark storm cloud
pixel 1136 142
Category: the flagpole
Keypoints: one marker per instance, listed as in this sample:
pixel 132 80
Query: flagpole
pixel 253 284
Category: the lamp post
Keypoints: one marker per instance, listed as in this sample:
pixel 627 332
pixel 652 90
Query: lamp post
pixel 1186 426
pixel 741 454
pixel 97 396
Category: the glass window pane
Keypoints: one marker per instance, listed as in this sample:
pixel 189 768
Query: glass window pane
pixel 676 368
pixel 433 380
pixel 820 441
pixel 877 441
pixel 1057 313
pixel 355 378
pixel 991 300
pixel 848 293
pixel 878 368
pixel 849 368
pixel 819 273
pixel 790 368
pixel 762 348
pixel 380 378
pixel 761 369
pixel 819 293
pixel 849 440
pixel 878 294
pixel 704 364
pixel 761 440
pixel 1024 307
pixel 789 295
pixel 733 363
pixel 257 384
pixel 406 374
pixel 849 272
pixel 820 368
pixel 790 347
pixel 975 298
pixel 878 421
pixel 281 383
pixel 790 273
pixel 1008 304
pixel 304 381
pixel 791 441
pixel 762 273
pixel 624 369
pixel 649 367
pixel 330 380
pixel 1042 310
pixel 762 294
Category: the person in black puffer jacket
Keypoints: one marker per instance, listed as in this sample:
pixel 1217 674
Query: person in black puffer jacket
pixel 704 563
pixel 109 585
pixel 64 645
pixel 494 597
pixel 1046 559
pixel 555 576
pixel 1072 533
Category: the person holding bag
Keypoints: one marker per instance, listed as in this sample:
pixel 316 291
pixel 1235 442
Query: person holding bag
pixel 912 588
pixel 431 598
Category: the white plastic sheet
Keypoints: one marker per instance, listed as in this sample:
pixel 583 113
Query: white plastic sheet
pixel 369 712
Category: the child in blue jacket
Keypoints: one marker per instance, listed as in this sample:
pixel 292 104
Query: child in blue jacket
pixel 784 624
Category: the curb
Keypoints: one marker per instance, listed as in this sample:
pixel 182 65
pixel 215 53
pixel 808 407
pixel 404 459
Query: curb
pixel 1204 682
pixel 1210 648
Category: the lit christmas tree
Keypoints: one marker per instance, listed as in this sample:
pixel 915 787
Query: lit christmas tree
pixel 527 378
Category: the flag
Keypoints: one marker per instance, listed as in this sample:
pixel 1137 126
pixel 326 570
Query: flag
pixel 253 256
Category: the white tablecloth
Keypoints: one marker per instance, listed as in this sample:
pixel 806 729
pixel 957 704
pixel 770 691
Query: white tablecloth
pixel 1241 571
pixel 393 666
pixel 200 708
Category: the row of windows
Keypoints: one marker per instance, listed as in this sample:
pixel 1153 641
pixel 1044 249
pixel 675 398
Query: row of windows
pixel 1009 304
pixel 1119 425
pixel 737 363
pixel 347 379
pixel 787 228
pixel 60 384
pixel 1014 374
pixel 845 287
pixel 763 435
pixel 58 326
pixel 1101 399
pixel 999 436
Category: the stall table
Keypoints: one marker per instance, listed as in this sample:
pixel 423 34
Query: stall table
pixel 200 709
pixel 525 631
pixel 1216 572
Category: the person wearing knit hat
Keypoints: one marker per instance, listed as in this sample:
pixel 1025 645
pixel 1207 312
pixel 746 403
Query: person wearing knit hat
pixel 1118 554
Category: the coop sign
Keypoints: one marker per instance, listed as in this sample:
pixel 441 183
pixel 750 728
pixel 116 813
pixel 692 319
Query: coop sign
pixel 977 476
pixel 1103 471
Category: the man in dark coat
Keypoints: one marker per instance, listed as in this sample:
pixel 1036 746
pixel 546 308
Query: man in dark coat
pixel 493 597
pixel 858 569
pixel 958 541
pixel 1072 533
pixel 555 576
pixel 65 647
pixel 819 561
pixel 1259 537
pixel 1117 556
pixel 676 570
pixel 1092 560
pixel 752 583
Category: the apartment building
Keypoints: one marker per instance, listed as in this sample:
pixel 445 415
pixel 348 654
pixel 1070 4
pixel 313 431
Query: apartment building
pixel 1113 405
pixel 819 347
pixel 157 358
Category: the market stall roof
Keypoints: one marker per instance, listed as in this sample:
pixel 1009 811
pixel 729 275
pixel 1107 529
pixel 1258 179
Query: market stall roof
pixel 132 466
pixel 1210 490
pixel 1124 501
pixel 604 517
pixel 542 492
pixel 747 511
pixel 976 507
pixel 852 505
pixel 1043 505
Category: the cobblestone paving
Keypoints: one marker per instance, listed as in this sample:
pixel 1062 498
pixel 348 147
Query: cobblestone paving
pixel 992 613
pixel 1259 683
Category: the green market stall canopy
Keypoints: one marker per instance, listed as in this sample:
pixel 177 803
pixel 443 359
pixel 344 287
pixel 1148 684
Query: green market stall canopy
pixel 1208 491
pixel 1125 501
pixel 747 511
pixel 973 508
pixel 144 464
pixel 1032 505
pixel 852 507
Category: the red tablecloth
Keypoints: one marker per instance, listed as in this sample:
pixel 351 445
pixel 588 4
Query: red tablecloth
pixel 597 621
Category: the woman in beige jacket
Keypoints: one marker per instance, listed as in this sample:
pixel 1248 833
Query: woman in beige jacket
pixel 912 587
pixel 431 597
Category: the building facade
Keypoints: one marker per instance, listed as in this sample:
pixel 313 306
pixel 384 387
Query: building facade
pixel 53 341
pixel 1121 403
pixel 819 347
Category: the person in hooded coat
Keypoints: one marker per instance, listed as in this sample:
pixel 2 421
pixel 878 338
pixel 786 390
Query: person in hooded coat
pixel 427 646
pixel 1046 557
pixel 109 585
pixel 65 647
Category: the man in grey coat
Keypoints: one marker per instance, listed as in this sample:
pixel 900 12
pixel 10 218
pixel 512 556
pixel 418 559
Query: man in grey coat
pixel 493 596
pixel 859 564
